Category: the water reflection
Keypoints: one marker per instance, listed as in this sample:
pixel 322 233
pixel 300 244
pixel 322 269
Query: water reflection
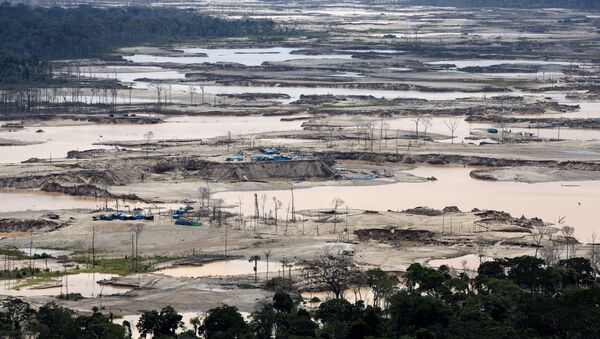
pixel 84 283
pixel 58 140
pixel 469 262
pixel 222 268
pixel 244 56
pixel 577 201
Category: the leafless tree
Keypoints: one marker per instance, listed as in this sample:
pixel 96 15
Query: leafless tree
pixel 287 216
pixel 336 272
pixel 360 281
pixel 192 92
pixel 337 202
pixel 480 246
pixel 256 212
pixel 228 140
pixel 263 201
pixel 148 136
pixel 595 253
pixel 452 126
pixel 276 206
pixel 205 195
pixel 426 122
pixel 158 88
pixel 551 253
pixel 293 205
pixel 568 232
pixel 383 125
pixel 417 121
pixel 137 232
pixel 93 246
pixel 371 133
pixel 240 202
pixel 538 233
pixel 202 97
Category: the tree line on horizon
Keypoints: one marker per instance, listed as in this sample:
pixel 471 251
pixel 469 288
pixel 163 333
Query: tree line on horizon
pixel 32 36
pixel 520 297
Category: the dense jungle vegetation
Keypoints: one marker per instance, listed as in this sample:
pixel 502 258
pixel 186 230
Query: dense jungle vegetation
pixel 521 297
pixel 31 36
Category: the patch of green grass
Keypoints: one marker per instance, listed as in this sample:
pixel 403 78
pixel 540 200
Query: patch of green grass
pixel 120 266
pixel 39 279
pixel 12 252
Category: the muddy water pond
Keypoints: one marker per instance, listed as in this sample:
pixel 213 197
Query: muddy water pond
pixel 84 283
pixel 469 262
pixel 33 251
pixel 244 56
pixel 129 74
pixel 588 109
pixel 352 295
pixel 296 92
pixel 23 200
pixel 29 200
pixel 222 268
pixel 465 129
pixel 577 201
pixel 492 62
pixel 56 141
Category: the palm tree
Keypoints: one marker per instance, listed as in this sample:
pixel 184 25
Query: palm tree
pixel 255 259
pixel 267 255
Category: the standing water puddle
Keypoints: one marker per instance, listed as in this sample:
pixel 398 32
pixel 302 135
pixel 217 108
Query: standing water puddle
pixel 352 295
pixel 244 56
pixel 222 268
pixel 469 262
pixel 24 200
pixel 488 63
pixel 464 129
pixel 58 140
pixel 84 283
pixel 578 201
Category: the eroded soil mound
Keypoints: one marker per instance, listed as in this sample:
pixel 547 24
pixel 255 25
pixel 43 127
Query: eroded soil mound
pixel 26 225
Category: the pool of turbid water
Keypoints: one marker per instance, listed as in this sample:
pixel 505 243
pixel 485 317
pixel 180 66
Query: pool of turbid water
pixel 495 62
pixel 223 268
pixel 468 262
pixel 56 141
pixel 41 251
pixel 296 92
pixel 352 295
pixel 84 283
pixel 576 201
pixel 30 200
pixel 244 56
pixel 465 129
pixel 24 200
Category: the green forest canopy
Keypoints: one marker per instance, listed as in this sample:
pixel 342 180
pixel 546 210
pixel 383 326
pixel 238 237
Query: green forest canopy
pixel 520 297
pixel 32 35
